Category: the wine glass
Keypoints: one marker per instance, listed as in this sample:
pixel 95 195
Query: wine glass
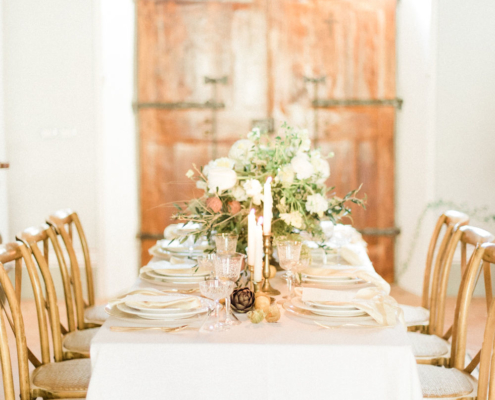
pixel 226 243
pixel 289 253
pixel 207 262
pixel 215 289
pixel 228 267
pixel 342 236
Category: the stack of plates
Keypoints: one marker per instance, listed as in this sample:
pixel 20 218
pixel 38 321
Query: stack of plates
pixel 331 280
pixel 136 311
pixel 327 312
pixel 182 277
pixel 167 248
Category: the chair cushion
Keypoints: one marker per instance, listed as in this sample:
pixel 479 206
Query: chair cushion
pixel 65 376
pixel 415 315
pixel 79 341
pixel 95 314
pixel 440 382
pixel 428 345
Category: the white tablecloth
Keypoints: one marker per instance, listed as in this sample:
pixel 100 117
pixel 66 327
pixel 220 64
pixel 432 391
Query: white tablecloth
pixel 290 359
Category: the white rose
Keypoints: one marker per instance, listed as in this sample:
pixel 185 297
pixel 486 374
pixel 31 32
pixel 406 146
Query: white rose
pixel 224 162
pixel 302 166
pixel 239 193
pixel 317 204
pixel 242 151
pixel 294 218
pixel 322 168
pixel 253 189
pixel 221 178
pixel 285 175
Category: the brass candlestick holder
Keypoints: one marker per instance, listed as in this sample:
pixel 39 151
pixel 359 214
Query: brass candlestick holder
pixel 253 285
pixel 267 244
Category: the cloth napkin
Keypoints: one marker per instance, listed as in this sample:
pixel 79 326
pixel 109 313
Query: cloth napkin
pixel 382 308
pixel 367 276
pixel 355 255
pixel 157 301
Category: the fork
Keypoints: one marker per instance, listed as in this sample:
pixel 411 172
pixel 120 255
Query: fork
pixel 148 328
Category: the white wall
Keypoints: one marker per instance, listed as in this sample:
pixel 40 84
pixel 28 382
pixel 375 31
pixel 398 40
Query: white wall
pixel 446 131
pixel 69 123
pixel 50 110
pixel 4 215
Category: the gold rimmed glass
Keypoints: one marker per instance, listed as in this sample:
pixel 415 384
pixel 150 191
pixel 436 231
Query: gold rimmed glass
pixel 289 254
pixel 226 243
pixel 228 267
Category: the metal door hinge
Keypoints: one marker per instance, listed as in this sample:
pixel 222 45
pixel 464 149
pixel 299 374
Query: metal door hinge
pixel 394 231
pixel 326 103
pixel 149 236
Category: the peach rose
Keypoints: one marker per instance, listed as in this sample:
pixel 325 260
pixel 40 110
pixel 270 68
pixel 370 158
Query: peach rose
pixel 234 207
pixel 214 203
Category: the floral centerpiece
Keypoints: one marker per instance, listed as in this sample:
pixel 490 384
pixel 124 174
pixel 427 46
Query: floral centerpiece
pixel 233 186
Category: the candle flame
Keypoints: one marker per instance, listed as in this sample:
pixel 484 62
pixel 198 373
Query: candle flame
pixel 253 211
pixel 269 179
pixel 260 221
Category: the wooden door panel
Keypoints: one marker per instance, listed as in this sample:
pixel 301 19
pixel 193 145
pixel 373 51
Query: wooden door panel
pixel 362 139
pixel 179 43
pixel 350 42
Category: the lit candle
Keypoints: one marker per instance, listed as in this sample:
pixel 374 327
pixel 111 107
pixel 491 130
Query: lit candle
pixel 267 206
pixel 251 237
pixel 258 260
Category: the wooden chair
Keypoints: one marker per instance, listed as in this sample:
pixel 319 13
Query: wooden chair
pixel 49 380
pixel 76 343
pixel 434 347
pixel 418 318
pixel 457 382
pixel 88 314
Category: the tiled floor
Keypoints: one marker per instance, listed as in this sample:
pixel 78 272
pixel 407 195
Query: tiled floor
pixel 477 319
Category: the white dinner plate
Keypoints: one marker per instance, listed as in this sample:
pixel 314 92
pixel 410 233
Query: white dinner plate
pixel 170 316
pixel 179 278
pixel 364 320
pixel 331 306
pixel 327 312
pixel 332 281
pixel 139 306
pixel 167 282
pixel 134 319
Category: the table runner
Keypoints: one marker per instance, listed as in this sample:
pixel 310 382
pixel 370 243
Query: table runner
pixel 292 359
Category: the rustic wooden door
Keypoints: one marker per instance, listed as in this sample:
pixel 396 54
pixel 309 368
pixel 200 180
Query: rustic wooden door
pixel 325 64
pixel 201 84
pixel 333 70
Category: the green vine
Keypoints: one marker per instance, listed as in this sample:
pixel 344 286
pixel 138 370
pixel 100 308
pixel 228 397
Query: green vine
pixel 479 214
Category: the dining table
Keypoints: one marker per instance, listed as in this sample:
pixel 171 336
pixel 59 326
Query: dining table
pixel 293 358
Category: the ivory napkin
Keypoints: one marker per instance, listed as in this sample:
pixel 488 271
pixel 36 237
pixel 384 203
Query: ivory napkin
pixel 367 276
pixel 382 308
pixel 156 302
pixel 355 255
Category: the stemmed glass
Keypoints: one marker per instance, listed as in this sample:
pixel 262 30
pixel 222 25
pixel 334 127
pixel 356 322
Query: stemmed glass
pixel 228 267
pixel 342 235
pixel 289 253
pixel 207 262
pixel 215 289
pixel 226 243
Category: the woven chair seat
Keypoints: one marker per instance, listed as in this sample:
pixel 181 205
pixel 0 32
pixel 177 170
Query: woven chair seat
pixel 428 345
pixel 80 341
pixel 440 382
pixel 415 315
pixel 67 376
pixel 95 315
